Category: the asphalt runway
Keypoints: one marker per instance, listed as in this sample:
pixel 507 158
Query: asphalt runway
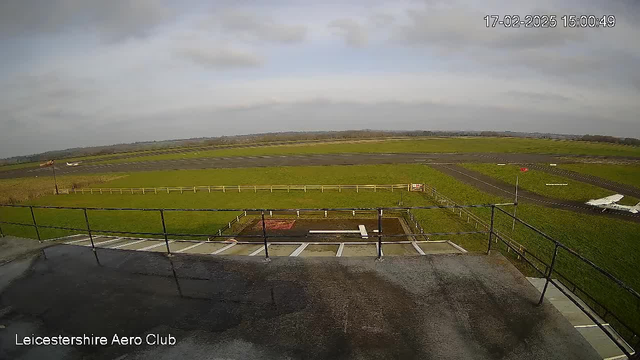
pixel 502 189
pixel 288 160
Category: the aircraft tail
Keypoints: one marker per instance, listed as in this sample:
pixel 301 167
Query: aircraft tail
pixel 635 209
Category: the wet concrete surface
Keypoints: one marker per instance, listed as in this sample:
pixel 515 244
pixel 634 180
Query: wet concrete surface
pixel 288 160
pixel 422 307
pixel 497 187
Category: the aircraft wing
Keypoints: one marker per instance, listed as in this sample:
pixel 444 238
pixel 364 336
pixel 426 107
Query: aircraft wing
pixel 606 200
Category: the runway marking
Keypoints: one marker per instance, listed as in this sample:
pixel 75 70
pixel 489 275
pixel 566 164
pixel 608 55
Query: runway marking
pixel 363 231
pixel 589 326
pixel 77 241
pixel 299 250
pixel 126 244
pixel 457 246
pixel 155 245
pixel 418 249
pixel 259 250
pixel 340 250
pixel 223 249
pixel 189 247
pixel 107 242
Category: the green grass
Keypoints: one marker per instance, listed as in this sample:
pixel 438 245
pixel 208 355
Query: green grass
pixel 535 181
pixel 301 175
pixel 425 145
pixel 624 174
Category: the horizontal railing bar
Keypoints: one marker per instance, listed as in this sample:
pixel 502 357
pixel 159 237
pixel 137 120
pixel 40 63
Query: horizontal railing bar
pixel 254 209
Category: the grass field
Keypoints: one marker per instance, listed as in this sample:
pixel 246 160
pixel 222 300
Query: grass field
pixel 610 243
pixel 535 181
pixel 428 145
pixel 624 174
pixel 18 190
pixel 407 145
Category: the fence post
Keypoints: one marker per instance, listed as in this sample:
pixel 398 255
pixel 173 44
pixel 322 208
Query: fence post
pixel 379 234
pixel 553 262
pixel 209 187
pixel 35 224
pixel 1 233
pixel 164 230
pixel 493 214
pixel 264 236
pixel 93 246
pixel 357 188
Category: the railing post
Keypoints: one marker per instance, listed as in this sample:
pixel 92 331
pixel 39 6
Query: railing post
pixel 93 246
pixel 379 234
pixel 164 230
pixel 264 236
pixel 493 214
pixel 553 262
pixel 35 224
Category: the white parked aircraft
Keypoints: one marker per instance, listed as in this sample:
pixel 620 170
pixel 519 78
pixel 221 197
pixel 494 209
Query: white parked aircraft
pixel 73 164
pixel 610 202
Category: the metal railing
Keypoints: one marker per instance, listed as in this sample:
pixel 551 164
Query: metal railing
pixel 631 337
pixel 237 188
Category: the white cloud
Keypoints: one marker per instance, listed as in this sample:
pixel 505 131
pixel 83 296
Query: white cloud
pixel 221 57
pixel 251 25
pixel 353 32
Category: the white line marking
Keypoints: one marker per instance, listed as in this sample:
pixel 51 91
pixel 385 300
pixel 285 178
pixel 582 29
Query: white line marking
pixel 223 249
pixel 107 242
pixel 77 241
pixel 618 357
pixel 189 247
pixel 418 249
pixel 126 244
pixel 363 231
pixel 457 246
pixel 340 250
pixel 259 250
pixel 155 245
pixel 589 326
pixel 300 249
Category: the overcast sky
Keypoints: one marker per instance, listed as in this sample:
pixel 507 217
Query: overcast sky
pixel 85 73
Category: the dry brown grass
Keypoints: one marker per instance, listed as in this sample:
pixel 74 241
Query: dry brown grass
pixel 14 191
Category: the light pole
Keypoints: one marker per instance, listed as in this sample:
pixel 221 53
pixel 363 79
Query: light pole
pixel 53 167
pixel 515 207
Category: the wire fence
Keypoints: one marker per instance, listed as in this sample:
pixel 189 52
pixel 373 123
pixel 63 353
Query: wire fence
pixel 245 188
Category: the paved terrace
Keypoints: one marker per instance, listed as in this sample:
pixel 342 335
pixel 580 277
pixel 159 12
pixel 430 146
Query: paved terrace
pixel 428 307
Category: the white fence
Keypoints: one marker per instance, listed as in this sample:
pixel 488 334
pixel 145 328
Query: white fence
pixel 241 188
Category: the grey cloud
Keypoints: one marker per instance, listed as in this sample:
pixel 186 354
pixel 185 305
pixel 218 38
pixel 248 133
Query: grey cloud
pixel 537 97
pixel 353 32
pixel 255 27
pixel 223 57
pixel 113 20
pixel 381 20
